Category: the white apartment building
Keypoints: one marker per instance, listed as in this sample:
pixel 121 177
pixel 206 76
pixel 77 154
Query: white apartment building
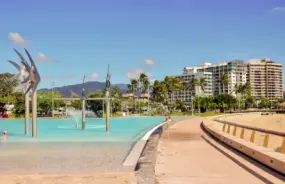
pixel 265 78
pixel 236 71
pixel 187 77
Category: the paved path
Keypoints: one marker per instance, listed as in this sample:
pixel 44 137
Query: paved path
pixel 185 157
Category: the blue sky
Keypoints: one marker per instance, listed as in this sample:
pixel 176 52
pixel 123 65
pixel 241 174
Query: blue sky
pixel 72 38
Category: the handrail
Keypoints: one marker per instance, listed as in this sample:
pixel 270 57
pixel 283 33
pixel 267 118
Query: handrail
pixel 282 134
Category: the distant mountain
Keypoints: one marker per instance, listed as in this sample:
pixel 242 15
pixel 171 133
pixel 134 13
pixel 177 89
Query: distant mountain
pixel 90 87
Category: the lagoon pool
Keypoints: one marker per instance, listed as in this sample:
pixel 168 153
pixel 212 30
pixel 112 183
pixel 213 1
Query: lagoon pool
pixel 60 148
pixel 122 129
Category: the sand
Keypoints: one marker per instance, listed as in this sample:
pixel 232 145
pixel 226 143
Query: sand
pixel 100 178
pixel 274 122
pixel 60 163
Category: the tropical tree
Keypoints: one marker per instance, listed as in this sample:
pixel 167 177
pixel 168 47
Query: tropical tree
pixel 264 103
pixel 224 81
pixel 225 101
pixel 159 92
pixel 129 88
pixel 135 88
pixel 243 92
pixel 7 84
pixel 45 101
pixel 97 105
pixel 196 85
pixel 180 105
pixel 144 82
pixel 134 85
pixel 172 84
pixel 117 99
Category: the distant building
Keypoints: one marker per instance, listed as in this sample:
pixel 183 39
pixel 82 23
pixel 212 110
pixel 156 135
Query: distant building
pixel 187 77
pixel 236 71
pixel 266 79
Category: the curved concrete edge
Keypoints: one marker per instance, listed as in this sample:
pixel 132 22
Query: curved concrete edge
pixel 261 154
pixel 134 155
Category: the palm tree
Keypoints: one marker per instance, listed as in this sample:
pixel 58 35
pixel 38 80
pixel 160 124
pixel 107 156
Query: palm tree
pixel 172 84
pixel 200 83
pixel 144 82
pixel 224 80
pixel 134 85
pixel 129 88
pixel 243 90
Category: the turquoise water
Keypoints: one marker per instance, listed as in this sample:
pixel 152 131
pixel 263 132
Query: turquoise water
pixel 122 129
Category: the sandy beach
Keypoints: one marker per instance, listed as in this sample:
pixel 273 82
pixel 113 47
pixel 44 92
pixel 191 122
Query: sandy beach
pixel 60 163
pixel 100 178
pixel 274 122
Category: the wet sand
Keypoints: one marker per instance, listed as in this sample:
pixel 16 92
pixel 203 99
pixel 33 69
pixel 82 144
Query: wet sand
pixel 274 122
pixel 62 158
pixel 100 178
pixel 64 162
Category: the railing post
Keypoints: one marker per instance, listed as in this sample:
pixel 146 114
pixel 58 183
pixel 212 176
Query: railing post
pixel 266 139
pixel 235 131
pixel 229 129
pixel 242 133
pixel 283 146
pixel 252 136
pixel 224 127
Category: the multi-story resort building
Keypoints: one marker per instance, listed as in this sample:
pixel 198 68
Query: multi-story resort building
pixel 187 77
pixel 265 78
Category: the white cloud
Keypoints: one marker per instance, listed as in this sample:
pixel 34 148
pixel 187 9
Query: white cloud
pixel 68 76
pixel 94 76
pixel 279 9
pixel 44 58
pixel 149 62
pixel 17 39
pixel 135 73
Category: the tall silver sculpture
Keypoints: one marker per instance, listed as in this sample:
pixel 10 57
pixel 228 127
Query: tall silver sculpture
pixel 83 97
pixel 23 73
pixel 31 81
pixel 108 84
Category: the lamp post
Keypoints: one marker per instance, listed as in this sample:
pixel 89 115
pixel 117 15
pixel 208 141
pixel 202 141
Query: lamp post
pixel 107 98
pixel 148 100
pixel 52 100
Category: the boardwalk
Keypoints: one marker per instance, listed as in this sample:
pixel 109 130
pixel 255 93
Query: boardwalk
pixel 187 155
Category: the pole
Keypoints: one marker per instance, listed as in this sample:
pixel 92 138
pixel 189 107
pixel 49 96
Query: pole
pixel 27 113
pixel 198 101
pixel 135 103
pixel 148 100
pixel 52 103
pixel 83 115
pixel 34 114
pixel 66 110
pixel 192 100
pixel 103 110
pixel 139 107
pixel 239 103
pixel 107 112
pixel 111 108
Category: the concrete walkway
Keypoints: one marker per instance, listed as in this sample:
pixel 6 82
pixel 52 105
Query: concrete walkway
pixel 187 155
